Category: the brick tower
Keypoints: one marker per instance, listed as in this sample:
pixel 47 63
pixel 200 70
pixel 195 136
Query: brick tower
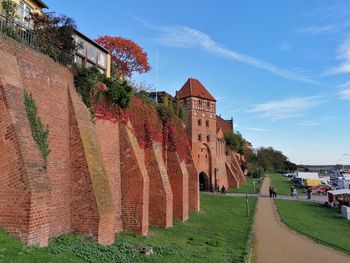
pixel 200 107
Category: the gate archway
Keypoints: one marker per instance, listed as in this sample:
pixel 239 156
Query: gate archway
pixel 204 182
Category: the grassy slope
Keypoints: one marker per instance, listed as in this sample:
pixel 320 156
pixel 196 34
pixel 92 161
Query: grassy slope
pixel 283 184
pixel 248 187
pixel 218 234
pixel 324 224
pixel 12 250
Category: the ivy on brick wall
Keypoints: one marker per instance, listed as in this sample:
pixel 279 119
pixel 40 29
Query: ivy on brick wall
pixel 96 88
pixel 40 132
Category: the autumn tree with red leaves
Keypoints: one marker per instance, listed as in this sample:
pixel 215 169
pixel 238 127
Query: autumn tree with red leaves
pixel 127 56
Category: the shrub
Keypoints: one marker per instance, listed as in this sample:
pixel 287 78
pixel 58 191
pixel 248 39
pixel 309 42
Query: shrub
pixel 119 92
pixel 40 133
pixel 86 81
pixel 54 36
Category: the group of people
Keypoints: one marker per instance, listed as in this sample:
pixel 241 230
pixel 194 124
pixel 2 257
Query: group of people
pixel 273 191
pixel 219 190
pixel 294 192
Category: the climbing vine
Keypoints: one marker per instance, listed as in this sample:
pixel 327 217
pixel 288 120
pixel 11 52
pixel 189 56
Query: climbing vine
pixel 112 100
pixel 40 132
pixel 94 87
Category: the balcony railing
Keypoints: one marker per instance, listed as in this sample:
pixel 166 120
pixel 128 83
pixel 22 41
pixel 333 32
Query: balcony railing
pixel 18 31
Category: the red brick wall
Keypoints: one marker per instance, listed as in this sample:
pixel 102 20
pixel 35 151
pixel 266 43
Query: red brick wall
pixel 108 137
pixel 24 191
pixel 134 183
pixel 193 184
pixel 178 178
pixel 49 211
pixel 221 174
pixel 47 81
pixel 93 210
pixel 160 195
pixel 232 180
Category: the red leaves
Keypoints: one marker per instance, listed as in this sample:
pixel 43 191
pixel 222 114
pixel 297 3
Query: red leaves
pixel 127 56
pixel 147 126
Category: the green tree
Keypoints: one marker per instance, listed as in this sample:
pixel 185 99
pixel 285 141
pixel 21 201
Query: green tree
pixel 235 141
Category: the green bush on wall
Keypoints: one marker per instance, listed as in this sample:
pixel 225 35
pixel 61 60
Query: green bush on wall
pixel 40 132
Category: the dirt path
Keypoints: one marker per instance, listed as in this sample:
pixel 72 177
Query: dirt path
pixel 275 242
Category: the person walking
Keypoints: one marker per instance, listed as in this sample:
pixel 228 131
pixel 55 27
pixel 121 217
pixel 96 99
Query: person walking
pixel 274 192
pixel 223 190
pixel 309 192
pixel 295 193
pixel 291 190
pixel 270 191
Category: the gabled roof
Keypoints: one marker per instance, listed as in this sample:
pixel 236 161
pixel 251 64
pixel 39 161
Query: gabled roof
pixel 193 88
pixel 225 125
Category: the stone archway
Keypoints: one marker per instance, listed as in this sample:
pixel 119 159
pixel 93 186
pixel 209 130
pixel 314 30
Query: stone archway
pixel 204 182
pixel 205 168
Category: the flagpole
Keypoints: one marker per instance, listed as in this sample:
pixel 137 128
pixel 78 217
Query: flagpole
pixel 156 75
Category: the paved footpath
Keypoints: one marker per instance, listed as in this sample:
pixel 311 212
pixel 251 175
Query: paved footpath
pixel 274 242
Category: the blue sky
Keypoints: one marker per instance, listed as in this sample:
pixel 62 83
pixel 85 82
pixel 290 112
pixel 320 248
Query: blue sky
pixel 281 69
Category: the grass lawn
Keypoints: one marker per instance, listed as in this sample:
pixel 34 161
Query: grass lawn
pixel 248 187
pixel 283 184
pixel 313 220
pixel 220 233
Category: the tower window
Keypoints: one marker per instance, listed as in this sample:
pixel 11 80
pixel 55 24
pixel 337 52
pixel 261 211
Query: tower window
pixel 207 123
pixel 208 138
pixel 199 122
pixel 199 137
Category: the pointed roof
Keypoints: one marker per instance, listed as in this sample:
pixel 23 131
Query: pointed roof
pixel 225 125
pixel 193 88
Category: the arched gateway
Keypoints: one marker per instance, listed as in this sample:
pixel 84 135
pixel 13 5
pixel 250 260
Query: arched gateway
pixel 204 160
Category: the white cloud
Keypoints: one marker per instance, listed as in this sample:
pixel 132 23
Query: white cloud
pixel 285 108
pixel 257 129
pixel 316 30
pixel 309 123
pixel 344 58
pixel 344 93
pixel 186 37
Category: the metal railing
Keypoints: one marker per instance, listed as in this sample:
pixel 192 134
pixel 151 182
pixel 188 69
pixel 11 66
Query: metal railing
pixel 16 30
pixel 24 34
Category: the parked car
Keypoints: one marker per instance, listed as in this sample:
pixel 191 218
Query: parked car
pixel 298 180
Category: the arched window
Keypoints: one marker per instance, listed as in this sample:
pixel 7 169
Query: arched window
pixel 207 123
pixel 199 122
